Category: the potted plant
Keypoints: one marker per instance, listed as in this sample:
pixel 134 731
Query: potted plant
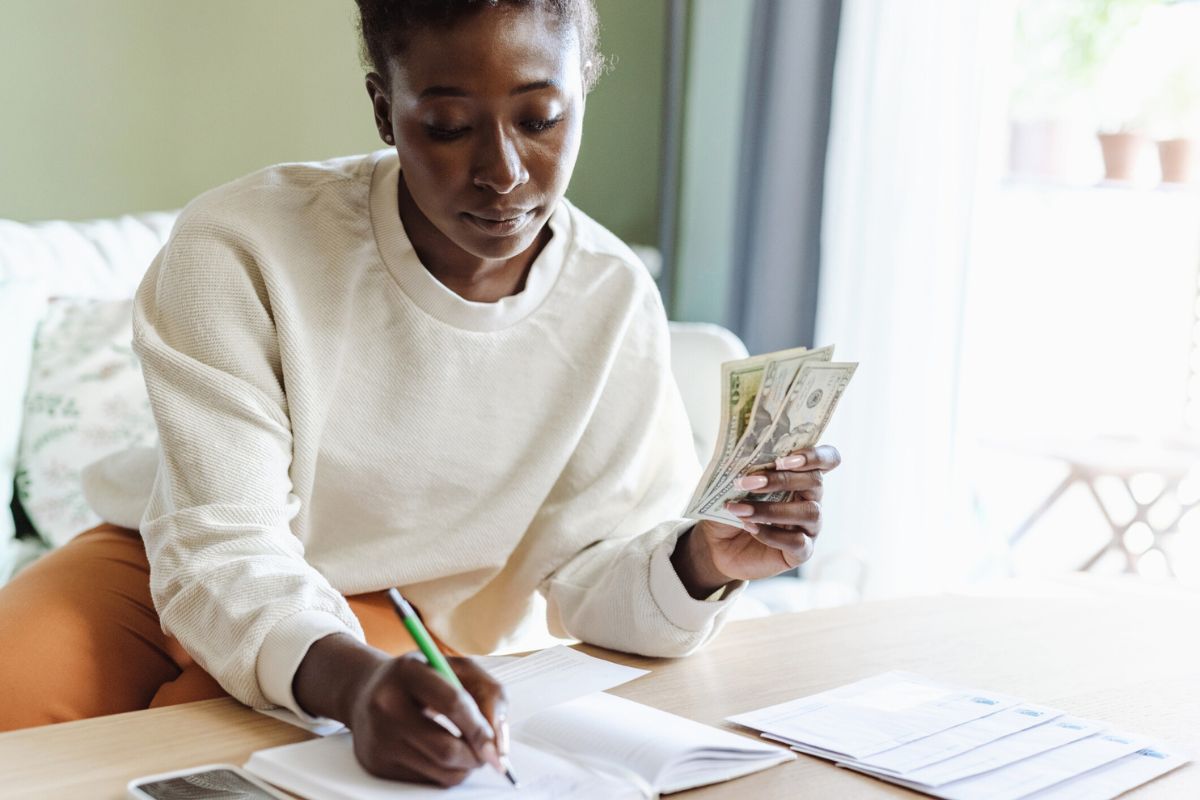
pixel 1062 55
pixel 1119 101
pixel 1097 31
pixel 1173 112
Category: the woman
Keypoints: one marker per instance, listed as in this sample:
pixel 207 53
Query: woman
pixel 440 376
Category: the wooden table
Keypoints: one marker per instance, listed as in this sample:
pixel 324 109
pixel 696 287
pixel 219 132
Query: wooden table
pixel 1119 650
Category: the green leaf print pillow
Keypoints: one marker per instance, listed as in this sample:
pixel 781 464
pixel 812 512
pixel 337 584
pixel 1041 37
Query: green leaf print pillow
pixel 86 400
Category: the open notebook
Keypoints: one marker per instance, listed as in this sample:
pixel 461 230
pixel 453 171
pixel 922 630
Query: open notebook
pixel 596 746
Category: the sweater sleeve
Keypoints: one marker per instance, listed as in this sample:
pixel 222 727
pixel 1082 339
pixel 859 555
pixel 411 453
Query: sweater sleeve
pixel 621 496
pixel 228 576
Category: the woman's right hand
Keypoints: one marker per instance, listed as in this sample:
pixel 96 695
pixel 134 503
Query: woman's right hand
pixel 395 732
pixel 391 704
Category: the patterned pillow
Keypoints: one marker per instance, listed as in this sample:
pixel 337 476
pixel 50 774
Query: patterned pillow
pixel 86 400
pixel 22 304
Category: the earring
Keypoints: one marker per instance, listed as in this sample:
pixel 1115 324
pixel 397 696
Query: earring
pixel 389 139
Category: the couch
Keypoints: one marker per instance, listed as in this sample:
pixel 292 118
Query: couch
pixel 70 391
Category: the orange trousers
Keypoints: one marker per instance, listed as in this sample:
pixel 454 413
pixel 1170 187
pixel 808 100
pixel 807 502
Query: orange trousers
pixel 79 636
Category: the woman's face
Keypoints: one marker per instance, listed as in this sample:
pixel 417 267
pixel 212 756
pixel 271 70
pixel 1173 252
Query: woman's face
pixel 487 117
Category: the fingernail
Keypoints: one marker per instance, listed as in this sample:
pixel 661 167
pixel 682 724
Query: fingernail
pixel 492 757
pixel 751 482
pixel 790 462
pixel 750 527
pixel 739 509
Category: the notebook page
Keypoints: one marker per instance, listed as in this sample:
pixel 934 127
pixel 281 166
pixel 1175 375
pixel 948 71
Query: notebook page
pixel 1117 777
pixel 961 738
pixel 326 769
pixel 873 715
pixel 555 675
pixel 1043 770
pixel 650 742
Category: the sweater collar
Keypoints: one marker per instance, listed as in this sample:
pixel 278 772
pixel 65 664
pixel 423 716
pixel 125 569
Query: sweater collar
pixel 431 295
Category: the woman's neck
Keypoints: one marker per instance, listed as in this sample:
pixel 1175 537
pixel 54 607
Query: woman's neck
pixel 473 278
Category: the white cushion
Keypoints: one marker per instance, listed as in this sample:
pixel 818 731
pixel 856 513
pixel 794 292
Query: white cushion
pixel 697 352
pixel 98 259
pixel 93 259
pixel 86 400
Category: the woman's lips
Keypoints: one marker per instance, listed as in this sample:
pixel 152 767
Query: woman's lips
pixel 500 227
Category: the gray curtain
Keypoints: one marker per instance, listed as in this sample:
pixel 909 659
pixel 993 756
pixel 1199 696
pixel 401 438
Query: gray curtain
pixel 786 129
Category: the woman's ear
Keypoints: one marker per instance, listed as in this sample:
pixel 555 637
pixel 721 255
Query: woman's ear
pixel 381 104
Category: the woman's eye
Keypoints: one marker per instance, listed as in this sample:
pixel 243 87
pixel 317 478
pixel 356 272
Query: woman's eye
pixel 540 125
pixel 444 134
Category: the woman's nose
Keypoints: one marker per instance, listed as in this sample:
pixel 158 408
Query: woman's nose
pixel 499 165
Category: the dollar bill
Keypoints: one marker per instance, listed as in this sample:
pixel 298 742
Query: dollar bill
pixel 777 379
pixel 807 412
pixel 807 409
pixel 740 382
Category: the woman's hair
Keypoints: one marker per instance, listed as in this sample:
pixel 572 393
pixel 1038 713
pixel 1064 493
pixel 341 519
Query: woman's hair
pixel 385 26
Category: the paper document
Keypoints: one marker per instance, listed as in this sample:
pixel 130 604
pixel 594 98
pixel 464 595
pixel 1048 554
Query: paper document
pixel 873 715
pixel 1043 770
pixel 1003 752
pixel 532 683
pixel 493 663
pixel 1015 750
pixel 960 739
pixel 556 675
pixel 1116 777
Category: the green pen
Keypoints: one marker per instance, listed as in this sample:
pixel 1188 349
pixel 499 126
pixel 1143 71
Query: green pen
pixel 436 660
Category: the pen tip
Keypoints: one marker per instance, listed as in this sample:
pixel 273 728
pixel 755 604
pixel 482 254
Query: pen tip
pixel 400 603
pixel 508 773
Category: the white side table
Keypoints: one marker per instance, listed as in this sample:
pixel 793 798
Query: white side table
pixel 1090 459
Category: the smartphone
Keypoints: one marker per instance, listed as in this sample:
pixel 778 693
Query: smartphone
pixel 215 781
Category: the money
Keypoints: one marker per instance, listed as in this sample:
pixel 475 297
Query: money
pixel 741 385
pixel 777 379
pixel 795 394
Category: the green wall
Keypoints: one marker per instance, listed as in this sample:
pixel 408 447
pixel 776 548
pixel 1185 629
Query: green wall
pixel 129 105
pixel 714 101
pixel 616 179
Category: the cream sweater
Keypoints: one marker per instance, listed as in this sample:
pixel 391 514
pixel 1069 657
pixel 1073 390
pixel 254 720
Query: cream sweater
pixel 333 421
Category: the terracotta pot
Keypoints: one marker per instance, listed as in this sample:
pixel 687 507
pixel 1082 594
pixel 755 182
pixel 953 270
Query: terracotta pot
pixel 1177 157
pixel 1122 152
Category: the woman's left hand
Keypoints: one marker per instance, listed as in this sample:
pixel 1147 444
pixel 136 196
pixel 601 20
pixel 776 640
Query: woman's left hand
pixel 776 536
